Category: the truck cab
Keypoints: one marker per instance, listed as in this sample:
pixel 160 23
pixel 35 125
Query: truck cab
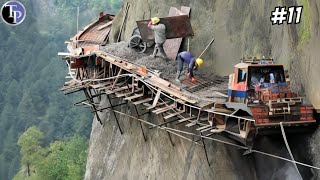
pixel 261 88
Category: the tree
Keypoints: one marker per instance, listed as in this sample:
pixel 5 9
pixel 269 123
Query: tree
pixel 65 160
pixel 29 142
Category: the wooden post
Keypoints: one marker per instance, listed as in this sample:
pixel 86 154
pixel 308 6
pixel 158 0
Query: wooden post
pixel 116 80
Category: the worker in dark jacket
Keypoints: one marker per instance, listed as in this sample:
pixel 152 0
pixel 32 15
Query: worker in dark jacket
pixel 193 63
pixel 159 35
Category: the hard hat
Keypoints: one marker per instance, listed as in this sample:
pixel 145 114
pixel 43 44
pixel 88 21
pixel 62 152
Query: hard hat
pixel 199 61
pixel 155 20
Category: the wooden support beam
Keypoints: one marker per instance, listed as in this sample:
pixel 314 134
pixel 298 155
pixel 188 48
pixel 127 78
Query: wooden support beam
pixel 142 101
pixel 118 95
pixel 133 97
pixel 191 124
pixel 108 91
pixel 116 80
pixel 205 130
pixel 186 119
pixel 100 85
pixel 203 127
pixel 158 104
pixel 156 99
pixel 174 114
pixel 162 110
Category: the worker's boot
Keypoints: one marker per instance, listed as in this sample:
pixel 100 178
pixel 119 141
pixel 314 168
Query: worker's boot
pixel 177 76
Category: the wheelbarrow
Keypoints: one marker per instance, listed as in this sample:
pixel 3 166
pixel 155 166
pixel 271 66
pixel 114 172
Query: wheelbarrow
pixel 137 42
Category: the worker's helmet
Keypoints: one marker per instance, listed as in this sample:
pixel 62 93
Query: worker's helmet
pixel 199 62
pixel 155 20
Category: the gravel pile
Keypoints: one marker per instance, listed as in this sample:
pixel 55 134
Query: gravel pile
pixel 167 68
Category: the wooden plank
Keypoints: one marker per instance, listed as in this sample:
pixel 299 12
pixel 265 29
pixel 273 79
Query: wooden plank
pixel 162 110
pixel 116 80
pixel 142 101
pixel 207 129
pixel 64 54
pixel 158 104
pixel 203 127
pixel 173 115
pixel 156 99
pixel 187 119
pixel 133 97
pixel 191 124
pixel 118 95
pixel 105 25
pixel 109 91
pixel 121 89
pixel 96 86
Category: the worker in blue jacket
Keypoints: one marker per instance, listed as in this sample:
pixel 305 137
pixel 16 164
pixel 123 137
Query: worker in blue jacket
pixel 191 60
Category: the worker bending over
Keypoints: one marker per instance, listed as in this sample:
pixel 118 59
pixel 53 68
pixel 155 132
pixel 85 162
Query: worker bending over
pixel 160 36
pixel 193 63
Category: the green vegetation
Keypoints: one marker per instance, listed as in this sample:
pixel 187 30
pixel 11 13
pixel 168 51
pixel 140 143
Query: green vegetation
pixel 304 30
pixel 30 75
pixel 61 160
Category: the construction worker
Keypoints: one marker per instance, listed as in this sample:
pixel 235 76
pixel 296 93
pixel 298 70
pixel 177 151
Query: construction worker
pixel 160 36
pixel 191 60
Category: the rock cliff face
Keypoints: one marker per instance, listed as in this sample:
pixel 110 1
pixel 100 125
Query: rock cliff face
pixel 127 156
pixel 241 28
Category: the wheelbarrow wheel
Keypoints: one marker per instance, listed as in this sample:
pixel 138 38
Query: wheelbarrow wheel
pixel 136 42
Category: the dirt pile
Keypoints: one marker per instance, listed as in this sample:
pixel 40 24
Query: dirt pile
pixel 167 68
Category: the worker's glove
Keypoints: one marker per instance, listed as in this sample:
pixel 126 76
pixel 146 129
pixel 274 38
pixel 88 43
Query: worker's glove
pixel 193 79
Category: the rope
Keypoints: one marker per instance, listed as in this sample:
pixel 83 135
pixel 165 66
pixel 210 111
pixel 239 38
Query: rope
pixel 288 147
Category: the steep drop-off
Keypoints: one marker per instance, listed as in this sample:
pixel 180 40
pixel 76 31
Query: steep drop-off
pixel 241 28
